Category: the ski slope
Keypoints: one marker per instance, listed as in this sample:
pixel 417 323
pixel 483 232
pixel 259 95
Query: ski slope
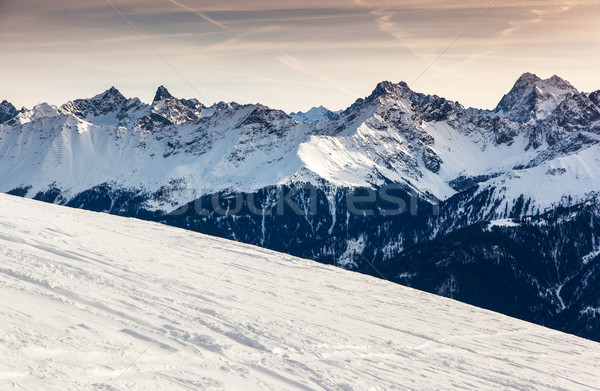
pixel 97 302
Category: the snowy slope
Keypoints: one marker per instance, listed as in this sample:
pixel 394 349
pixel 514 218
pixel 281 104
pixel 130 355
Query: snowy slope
pixel 574 176
pixel 93 301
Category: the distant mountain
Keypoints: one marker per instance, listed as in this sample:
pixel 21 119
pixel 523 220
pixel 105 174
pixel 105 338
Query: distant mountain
pixel 176 111
pixel 532 98
pixel 333 190
pixel 315 114
pixel 7 111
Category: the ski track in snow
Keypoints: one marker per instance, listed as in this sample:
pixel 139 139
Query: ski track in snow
pixel 84 295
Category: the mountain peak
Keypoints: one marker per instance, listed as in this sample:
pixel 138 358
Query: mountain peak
pixel 595 97
pixel 161 94
pixel 533 98
pixel 7 111
pixel 7 106
pixel 109 101
pixel 315 114
pixel 43 110
pixel 112 91
pixel 383 88
pixel 528 78
pixel 554 81
pixel 556 77
pixel 111 94
pixel 560 83
pixel 387 87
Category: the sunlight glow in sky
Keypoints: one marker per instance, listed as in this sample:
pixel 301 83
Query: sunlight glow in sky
pixel 294 54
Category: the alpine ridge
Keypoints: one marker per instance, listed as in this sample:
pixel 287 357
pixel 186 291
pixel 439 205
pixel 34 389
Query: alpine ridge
pixel 291 183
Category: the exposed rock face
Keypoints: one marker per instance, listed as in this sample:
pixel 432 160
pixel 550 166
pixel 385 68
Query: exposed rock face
pixel 7 111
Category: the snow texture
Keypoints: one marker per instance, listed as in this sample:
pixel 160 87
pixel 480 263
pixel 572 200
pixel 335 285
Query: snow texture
pixel 97 302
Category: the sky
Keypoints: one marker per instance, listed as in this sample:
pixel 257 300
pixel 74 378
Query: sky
pixel 291 55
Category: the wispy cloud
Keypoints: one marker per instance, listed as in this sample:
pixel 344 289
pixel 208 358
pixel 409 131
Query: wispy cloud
pixel 153 37
pixel 201 14
pixel 295 64
pixel 397 31
pixel 323 48
pixel 534 16
pixel 385 24
pixel 251 76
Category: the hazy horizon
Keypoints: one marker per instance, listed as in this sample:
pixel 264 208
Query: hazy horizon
pixel 292 55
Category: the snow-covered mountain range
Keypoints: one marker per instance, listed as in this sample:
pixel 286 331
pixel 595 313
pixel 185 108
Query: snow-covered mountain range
pixel 543 133
pixel 151 307
pixel 534 158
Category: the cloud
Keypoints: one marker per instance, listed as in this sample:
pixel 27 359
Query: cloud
pixel 386 25
pixel 323 49
pixel 295 64
pixel 201 14
pixel 536 16
pixel 245 75
pixel 397 31
pixel 151 37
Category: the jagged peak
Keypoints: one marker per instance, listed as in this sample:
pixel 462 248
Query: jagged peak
pixel 529 77
pixel 533 98
pixel 557 78
pixel 6 106
pixel 111 93
pixel 595 97
pixel 313 109
pixel 315 114
pixel 43 110
pixel 222 105
pixel 387 87
pixel 382 89
pixel 260 108
pixel 109 101
pixel 161 94
pixel 7 111
pixel 559 82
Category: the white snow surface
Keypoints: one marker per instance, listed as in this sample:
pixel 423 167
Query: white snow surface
pixel 574 176
pixel 98 302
